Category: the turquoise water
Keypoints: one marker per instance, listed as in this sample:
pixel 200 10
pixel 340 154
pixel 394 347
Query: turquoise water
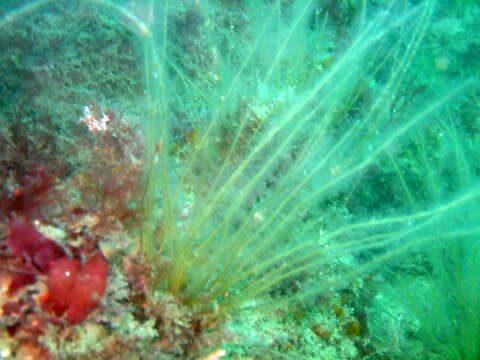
pixel 315 160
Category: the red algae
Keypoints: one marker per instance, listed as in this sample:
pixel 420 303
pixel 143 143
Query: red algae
pixel 88 290
pixel 27 243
